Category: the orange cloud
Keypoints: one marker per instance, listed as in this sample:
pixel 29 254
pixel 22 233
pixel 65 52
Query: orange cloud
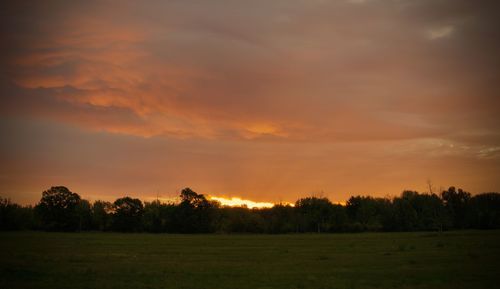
pixel 302 75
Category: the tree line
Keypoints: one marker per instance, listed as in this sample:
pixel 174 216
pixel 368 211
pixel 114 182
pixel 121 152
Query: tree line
pixel 62 210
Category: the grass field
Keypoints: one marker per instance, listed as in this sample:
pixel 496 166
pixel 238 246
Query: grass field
pixel 469 259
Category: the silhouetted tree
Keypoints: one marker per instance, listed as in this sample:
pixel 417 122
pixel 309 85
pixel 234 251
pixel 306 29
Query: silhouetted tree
pixel 314 214
pixel 456 203
pixel 14 216
pixel 152 219
pixel 405 215
pixel 239 220
pixel 278 219
pixel 367 213
pixel 158 217
pixel 127 216
pixel 338 218
pixel 430 210
pixel 58 209
pixel 84 213
pixel 101 215
pixel 483 211
pixel 195 214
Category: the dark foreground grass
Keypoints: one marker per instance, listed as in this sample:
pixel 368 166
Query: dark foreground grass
pixel 384 260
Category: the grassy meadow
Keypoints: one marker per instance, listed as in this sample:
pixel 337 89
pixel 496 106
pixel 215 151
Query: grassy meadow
pixel 462 259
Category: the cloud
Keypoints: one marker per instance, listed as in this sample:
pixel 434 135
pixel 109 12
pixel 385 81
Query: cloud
pixel 441 32
pixel 357 1
pixel 282 71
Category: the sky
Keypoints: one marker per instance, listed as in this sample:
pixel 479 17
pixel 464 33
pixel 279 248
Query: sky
pixel 266 101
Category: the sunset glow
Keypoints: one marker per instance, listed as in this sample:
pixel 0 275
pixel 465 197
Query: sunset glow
pixel 237 202
pixel 263 100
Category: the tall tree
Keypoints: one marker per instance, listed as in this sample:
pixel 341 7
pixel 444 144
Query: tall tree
pixel 128 214
pixel 195 214
pixel 314 214
pixel 483 211
pixel 456 202
pixel 101 215
pixel 58 209
pixel 84 213
pixel 367 213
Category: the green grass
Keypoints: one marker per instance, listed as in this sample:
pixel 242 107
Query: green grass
pixel 468 259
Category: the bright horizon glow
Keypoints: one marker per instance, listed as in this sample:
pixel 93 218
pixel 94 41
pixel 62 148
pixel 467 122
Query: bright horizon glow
pixel 226 201
pixel 235 201
pixel 238 202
